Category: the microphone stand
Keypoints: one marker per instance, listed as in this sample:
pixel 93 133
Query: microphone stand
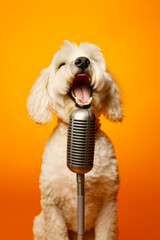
pixel 81 206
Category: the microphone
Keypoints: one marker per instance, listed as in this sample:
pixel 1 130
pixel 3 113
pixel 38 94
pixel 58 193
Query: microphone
pixel 80 155
pixel 81 141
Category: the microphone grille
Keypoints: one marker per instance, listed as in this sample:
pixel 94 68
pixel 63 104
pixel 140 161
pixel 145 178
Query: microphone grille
pixel 81 141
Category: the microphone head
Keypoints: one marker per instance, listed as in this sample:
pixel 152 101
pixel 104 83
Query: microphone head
pixel 81 141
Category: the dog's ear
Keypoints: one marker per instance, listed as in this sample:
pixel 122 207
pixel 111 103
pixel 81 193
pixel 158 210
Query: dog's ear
pixel 113 109
pixel 39 102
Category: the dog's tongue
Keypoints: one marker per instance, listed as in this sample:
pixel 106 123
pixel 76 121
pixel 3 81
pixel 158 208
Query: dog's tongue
pixel 82 93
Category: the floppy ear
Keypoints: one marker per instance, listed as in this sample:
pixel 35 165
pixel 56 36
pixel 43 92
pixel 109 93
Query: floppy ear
pixel 113 102
pixel 39 102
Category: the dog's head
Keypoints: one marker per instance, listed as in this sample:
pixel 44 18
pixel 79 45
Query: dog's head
pixel 76 74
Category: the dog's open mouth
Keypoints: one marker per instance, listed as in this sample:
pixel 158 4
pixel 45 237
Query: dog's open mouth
pixel 81 90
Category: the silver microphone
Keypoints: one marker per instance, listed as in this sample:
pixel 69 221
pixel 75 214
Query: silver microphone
pixel 80 155
pixel 81 141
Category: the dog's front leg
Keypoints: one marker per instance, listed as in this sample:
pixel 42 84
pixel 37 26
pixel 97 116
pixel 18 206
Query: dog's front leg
pixel 106 223
pixel 50 225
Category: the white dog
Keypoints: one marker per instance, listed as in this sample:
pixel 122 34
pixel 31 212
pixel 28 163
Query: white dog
pixel 76 72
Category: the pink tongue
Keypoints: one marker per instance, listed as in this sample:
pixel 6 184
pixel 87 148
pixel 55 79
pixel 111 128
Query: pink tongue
pixel 82 93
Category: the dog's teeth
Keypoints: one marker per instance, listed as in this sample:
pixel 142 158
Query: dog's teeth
pixel 72 92
pixel 90 100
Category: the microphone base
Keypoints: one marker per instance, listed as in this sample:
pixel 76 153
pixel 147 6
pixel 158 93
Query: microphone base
pixel 81 205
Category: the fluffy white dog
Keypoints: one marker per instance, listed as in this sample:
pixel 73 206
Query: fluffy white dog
pixel 76 73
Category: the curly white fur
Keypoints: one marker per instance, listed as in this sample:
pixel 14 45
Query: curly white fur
pixel 57 183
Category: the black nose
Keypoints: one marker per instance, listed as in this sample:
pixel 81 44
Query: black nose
pixel 82 62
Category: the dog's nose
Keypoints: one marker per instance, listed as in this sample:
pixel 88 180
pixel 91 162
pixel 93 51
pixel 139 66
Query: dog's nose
pixel 82 62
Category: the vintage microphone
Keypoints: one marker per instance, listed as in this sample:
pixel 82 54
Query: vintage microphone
pixel 80 154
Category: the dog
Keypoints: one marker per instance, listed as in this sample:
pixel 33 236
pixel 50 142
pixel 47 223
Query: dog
pixel 77 73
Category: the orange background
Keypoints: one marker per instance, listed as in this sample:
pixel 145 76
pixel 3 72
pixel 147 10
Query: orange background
pixel 128 33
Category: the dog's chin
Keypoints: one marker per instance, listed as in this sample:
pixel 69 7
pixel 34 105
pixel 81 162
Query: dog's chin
pixel 80 90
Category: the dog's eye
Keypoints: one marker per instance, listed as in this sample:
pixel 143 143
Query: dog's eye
pixel 62 64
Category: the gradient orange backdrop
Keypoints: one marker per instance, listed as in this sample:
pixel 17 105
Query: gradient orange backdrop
pixel 129 35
